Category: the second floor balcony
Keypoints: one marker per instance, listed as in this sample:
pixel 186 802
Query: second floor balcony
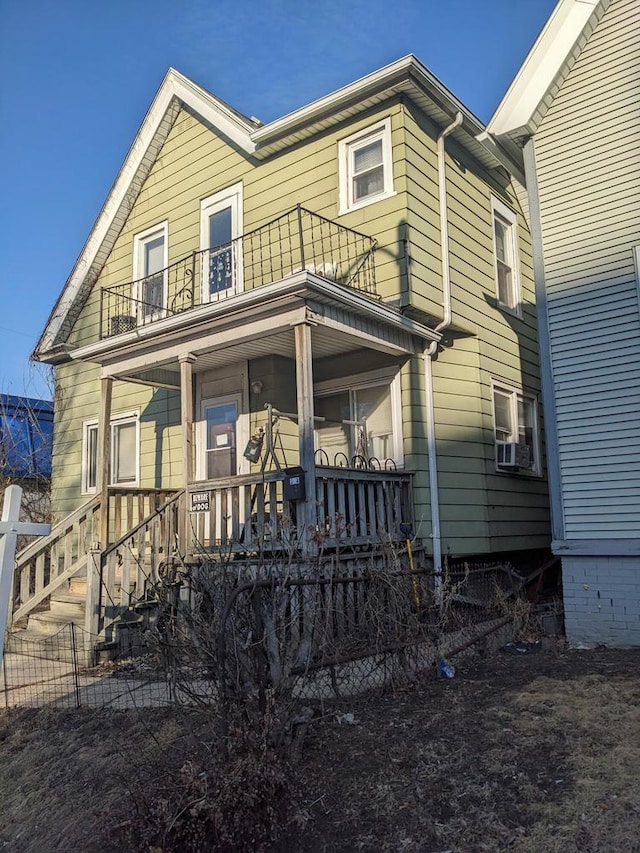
pixel 299 240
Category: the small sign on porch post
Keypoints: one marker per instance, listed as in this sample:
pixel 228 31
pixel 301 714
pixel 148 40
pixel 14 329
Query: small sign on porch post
pixel 10 529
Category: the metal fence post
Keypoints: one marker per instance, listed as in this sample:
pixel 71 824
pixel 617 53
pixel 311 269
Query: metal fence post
pixel 92 601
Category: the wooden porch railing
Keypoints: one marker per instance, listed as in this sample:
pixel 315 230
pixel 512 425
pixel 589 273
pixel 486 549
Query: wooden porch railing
pixel 49 562
pixel 133 563
pixel 249 513
pixel 361 506
pixel 44 565
pixel 244 513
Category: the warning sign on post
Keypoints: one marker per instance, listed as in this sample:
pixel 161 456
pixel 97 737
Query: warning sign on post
pixel 200 501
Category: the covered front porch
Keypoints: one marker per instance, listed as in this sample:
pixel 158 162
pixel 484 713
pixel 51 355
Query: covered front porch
pixel 290 415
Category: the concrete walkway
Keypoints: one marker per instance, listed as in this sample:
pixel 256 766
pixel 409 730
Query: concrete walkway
pixel 35 682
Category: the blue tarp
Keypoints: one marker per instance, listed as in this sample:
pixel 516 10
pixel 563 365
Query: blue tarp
pixel 26 437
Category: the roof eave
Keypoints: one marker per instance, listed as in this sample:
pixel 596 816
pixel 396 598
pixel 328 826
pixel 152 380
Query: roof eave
pixel 175 90
pixel 550 58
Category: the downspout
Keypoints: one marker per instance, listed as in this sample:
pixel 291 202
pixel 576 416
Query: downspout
pixel 433 347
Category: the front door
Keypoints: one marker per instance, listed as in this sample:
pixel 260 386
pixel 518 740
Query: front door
pixel 219 452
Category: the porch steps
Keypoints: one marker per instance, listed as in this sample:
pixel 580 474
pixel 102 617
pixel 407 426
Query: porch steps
pixel 41 636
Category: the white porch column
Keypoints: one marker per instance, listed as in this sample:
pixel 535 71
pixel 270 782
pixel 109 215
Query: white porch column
pixel 307 511
pixel 186 418
pixel 104 454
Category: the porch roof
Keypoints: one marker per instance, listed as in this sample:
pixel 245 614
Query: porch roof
pixel 255 323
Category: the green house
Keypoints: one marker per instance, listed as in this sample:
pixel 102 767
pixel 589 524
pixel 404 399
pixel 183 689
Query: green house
pixel 313 335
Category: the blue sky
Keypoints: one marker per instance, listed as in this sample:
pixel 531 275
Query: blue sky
pixel 77 76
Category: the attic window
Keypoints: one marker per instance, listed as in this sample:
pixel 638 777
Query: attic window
pixel 365 167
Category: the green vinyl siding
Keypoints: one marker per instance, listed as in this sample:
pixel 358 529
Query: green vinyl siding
pixel 477 504
pixel 481 509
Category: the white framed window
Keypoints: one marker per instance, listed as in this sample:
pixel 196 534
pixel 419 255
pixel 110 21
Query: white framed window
pixel 150 262
pixel 505 251
pixel 89 457
pixel 125 452
pixel 359 417
pixel 220 231
pixel 365 167
pixel 517 439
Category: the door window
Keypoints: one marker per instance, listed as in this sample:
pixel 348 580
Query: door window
pixel 150 263
pixel 221 225
pixel 220 445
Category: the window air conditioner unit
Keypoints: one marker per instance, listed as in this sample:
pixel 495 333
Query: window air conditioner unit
pixel 511 455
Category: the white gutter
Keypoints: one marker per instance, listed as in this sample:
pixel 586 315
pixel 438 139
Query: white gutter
pixel 433 347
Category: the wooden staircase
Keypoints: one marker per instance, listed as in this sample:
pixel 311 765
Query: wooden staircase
pixel 65 578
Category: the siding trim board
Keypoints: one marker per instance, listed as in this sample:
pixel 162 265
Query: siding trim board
pixel 597 547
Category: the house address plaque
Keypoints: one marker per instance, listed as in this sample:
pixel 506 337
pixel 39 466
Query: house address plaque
pixel 200 501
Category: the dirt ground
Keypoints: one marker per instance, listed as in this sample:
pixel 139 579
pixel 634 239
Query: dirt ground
pixel 539 752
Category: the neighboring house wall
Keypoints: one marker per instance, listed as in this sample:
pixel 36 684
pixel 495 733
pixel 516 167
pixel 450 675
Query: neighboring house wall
pixel 195 162
pixel 26 431
pixel 587 152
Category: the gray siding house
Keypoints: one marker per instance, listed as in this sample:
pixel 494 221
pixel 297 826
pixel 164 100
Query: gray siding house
pixel 574 110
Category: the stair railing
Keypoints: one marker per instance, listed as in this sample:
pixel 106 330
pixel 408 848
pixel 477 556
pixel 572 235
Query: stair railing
pixel 122 574
pixel 46 564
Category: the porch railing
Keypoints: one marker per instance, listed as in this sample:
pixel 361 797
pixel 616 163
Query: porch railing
pixel 296 241
pixel 134 562
pixel 357 506
pixel 48 563
pixel 249 514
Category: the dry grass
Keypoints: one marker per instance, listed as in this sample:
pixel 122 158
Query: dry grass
pixel 600 719
pixel 531 754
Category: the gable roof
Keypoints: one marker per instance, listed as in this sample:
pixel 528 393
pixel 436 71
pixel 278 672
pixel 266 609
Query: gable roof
pixel 545 68
pixel 405 76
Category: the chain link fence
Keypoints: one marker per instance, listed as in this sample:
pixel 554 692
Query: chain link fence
pixel 50 671
pixel 242 632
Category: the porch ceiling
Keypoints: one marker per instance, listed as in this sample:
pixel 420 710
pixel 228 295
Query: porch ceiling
pixel 255 324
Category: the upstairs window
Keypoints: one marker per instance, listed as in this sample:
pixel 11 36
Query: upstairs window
pixel 150 261
pixel 516 431
pixel 507 270
pixel 123 470
pixel 365 166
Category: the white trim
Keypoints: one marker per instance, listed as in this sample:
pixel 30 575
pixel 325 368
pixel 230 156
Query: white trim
pixel 303 284
pixel 175 90
pixel 545 61
pixel 139 240
pixel 116 419
pixel 373 379
pixel 85 488
pixel 508 217
pixel 346 149
pixel 514 393
pixel 230 197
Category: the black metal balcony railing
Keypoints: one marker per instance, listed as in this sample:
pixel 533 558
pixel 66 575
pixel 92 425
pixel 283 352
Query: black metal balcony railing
pixel 297 240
